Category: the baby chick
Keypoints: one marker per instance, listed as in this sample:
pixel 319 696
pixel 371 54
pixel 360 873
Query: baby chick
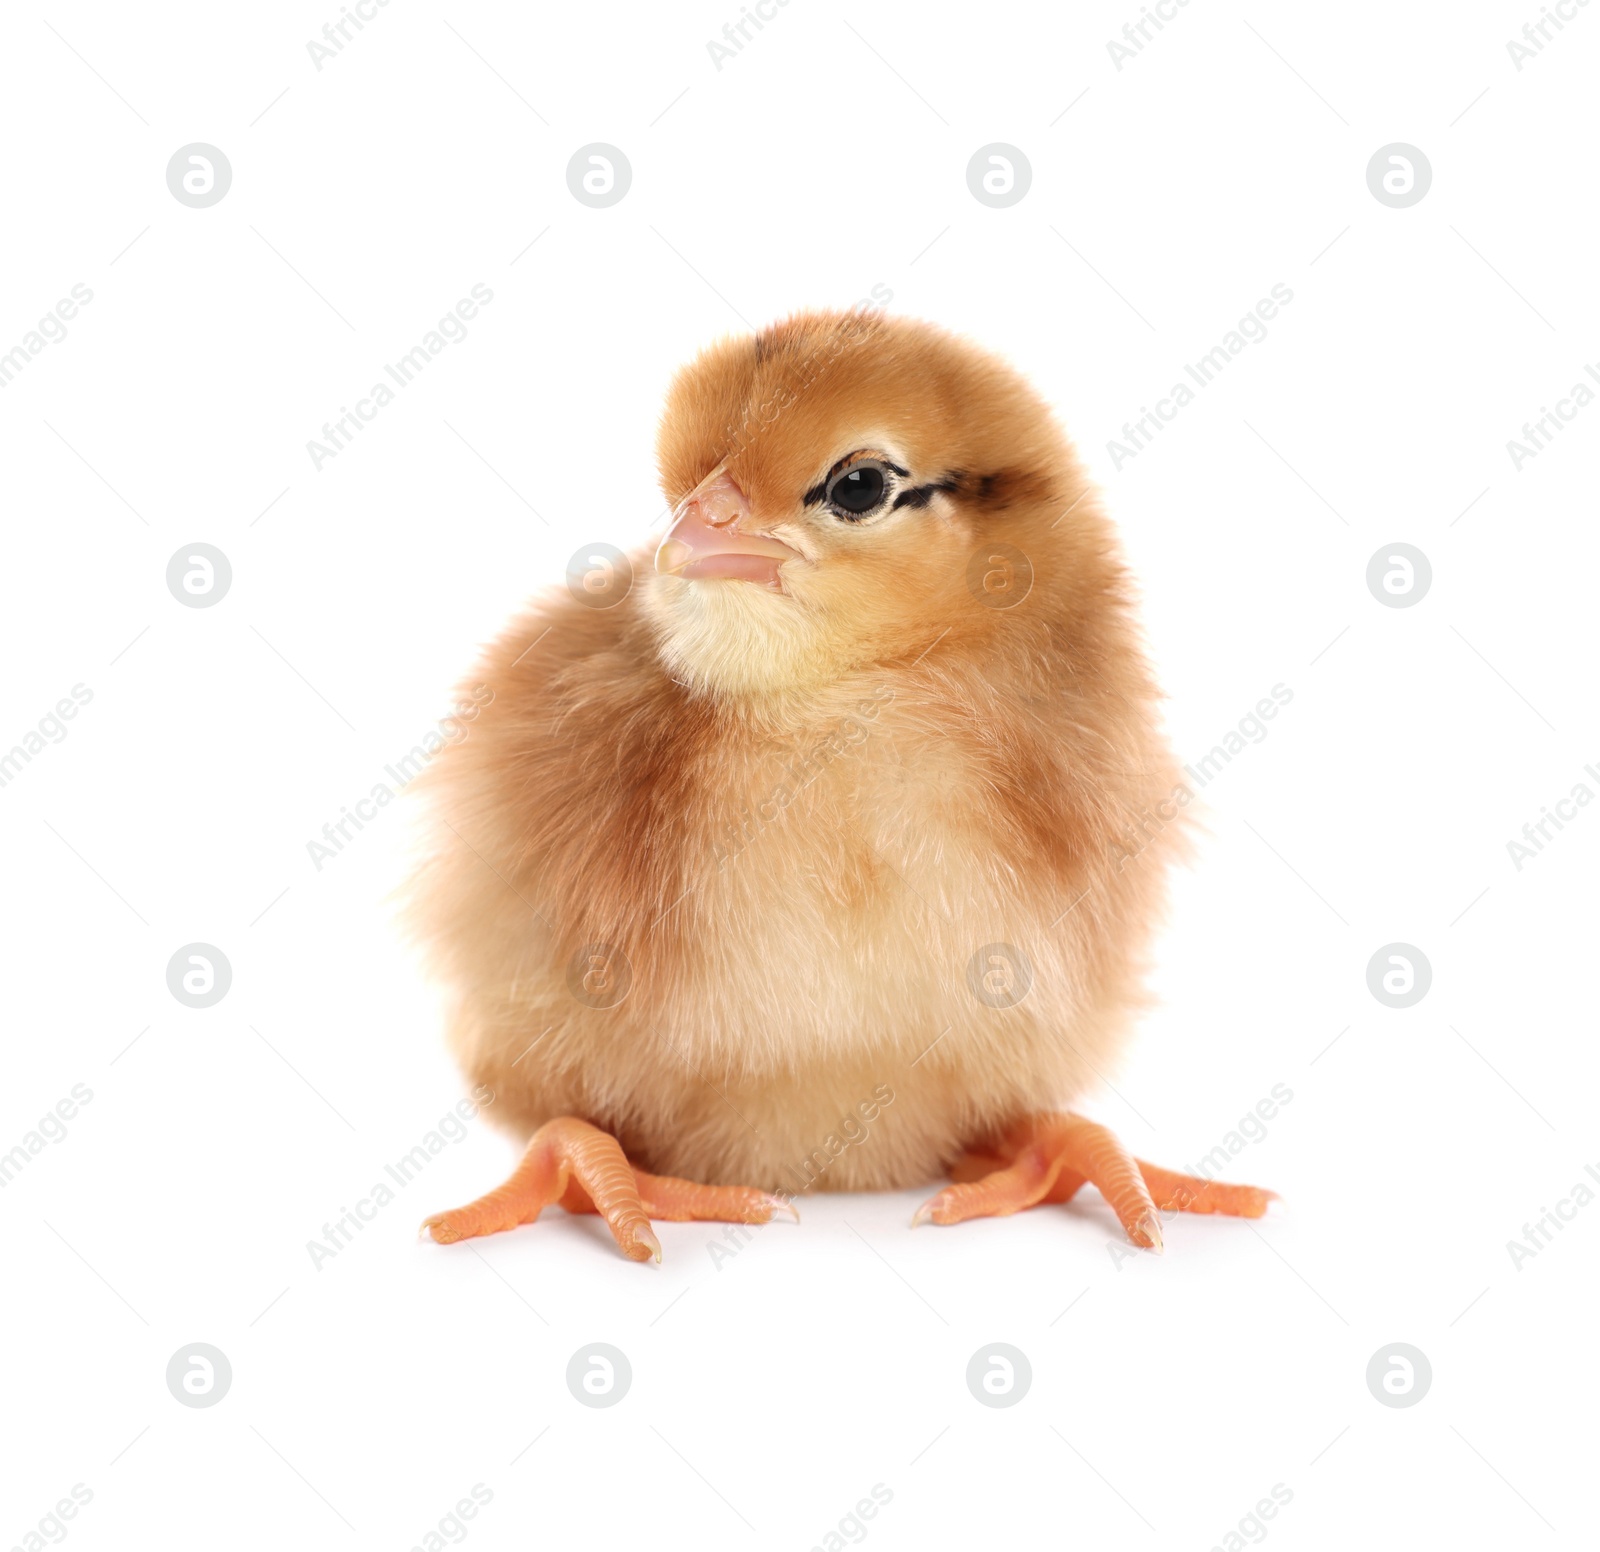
pixel 827 856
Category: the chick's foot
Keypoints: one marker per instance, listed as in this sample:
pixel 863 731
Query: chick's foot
pixel 584 1169
pixel 1048 1158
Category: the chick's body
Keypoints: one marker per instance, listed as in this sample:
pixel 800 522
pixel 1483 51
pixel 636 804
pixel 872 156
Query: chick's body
pixel 831 880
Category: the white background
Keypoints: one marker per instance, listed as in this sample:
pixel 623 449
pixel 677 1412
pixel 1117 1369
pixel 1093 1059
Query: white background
pixel 1169 1395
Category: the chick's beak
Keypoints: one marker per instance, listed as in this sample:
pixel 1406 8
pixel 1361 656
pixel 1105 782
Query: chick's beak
pixel 709 538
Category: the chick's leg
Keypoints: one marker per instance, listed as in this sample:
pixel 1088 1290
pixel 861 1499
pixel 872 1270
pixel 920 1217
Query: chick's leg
pixel 1048 1158
pixel 585 1170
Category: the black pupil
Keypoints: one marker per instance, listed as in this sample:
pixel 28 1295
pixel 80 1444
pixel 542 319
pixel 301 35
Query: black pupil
pixel 859 491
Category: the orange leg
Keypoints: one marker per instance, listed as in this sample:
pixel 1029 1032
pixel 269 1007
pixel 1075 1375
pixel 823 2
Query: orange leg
pixel 585 1170
pixel 1048 1158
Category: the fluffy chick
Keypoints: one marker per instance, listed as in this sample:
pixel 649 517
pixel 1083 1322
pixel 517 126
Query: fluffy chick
pixel 826 854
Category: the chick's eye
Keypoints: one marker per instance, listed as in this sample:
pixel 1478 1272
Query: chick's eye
pixel 857 491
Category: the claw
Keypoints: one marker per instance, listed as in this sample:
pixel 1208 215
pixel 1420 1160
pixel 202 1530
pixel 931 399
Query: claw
pixel 1150 1227
pixel 784 1205
pixel 438 1230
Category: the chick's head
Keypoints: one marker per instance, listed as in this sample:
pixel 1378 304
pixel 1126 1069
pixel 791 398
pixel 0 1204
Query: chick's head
pixel 835 484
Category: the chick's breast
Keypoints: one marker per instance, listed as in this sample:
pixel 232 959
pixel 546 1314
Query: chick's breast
pixel 827 942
